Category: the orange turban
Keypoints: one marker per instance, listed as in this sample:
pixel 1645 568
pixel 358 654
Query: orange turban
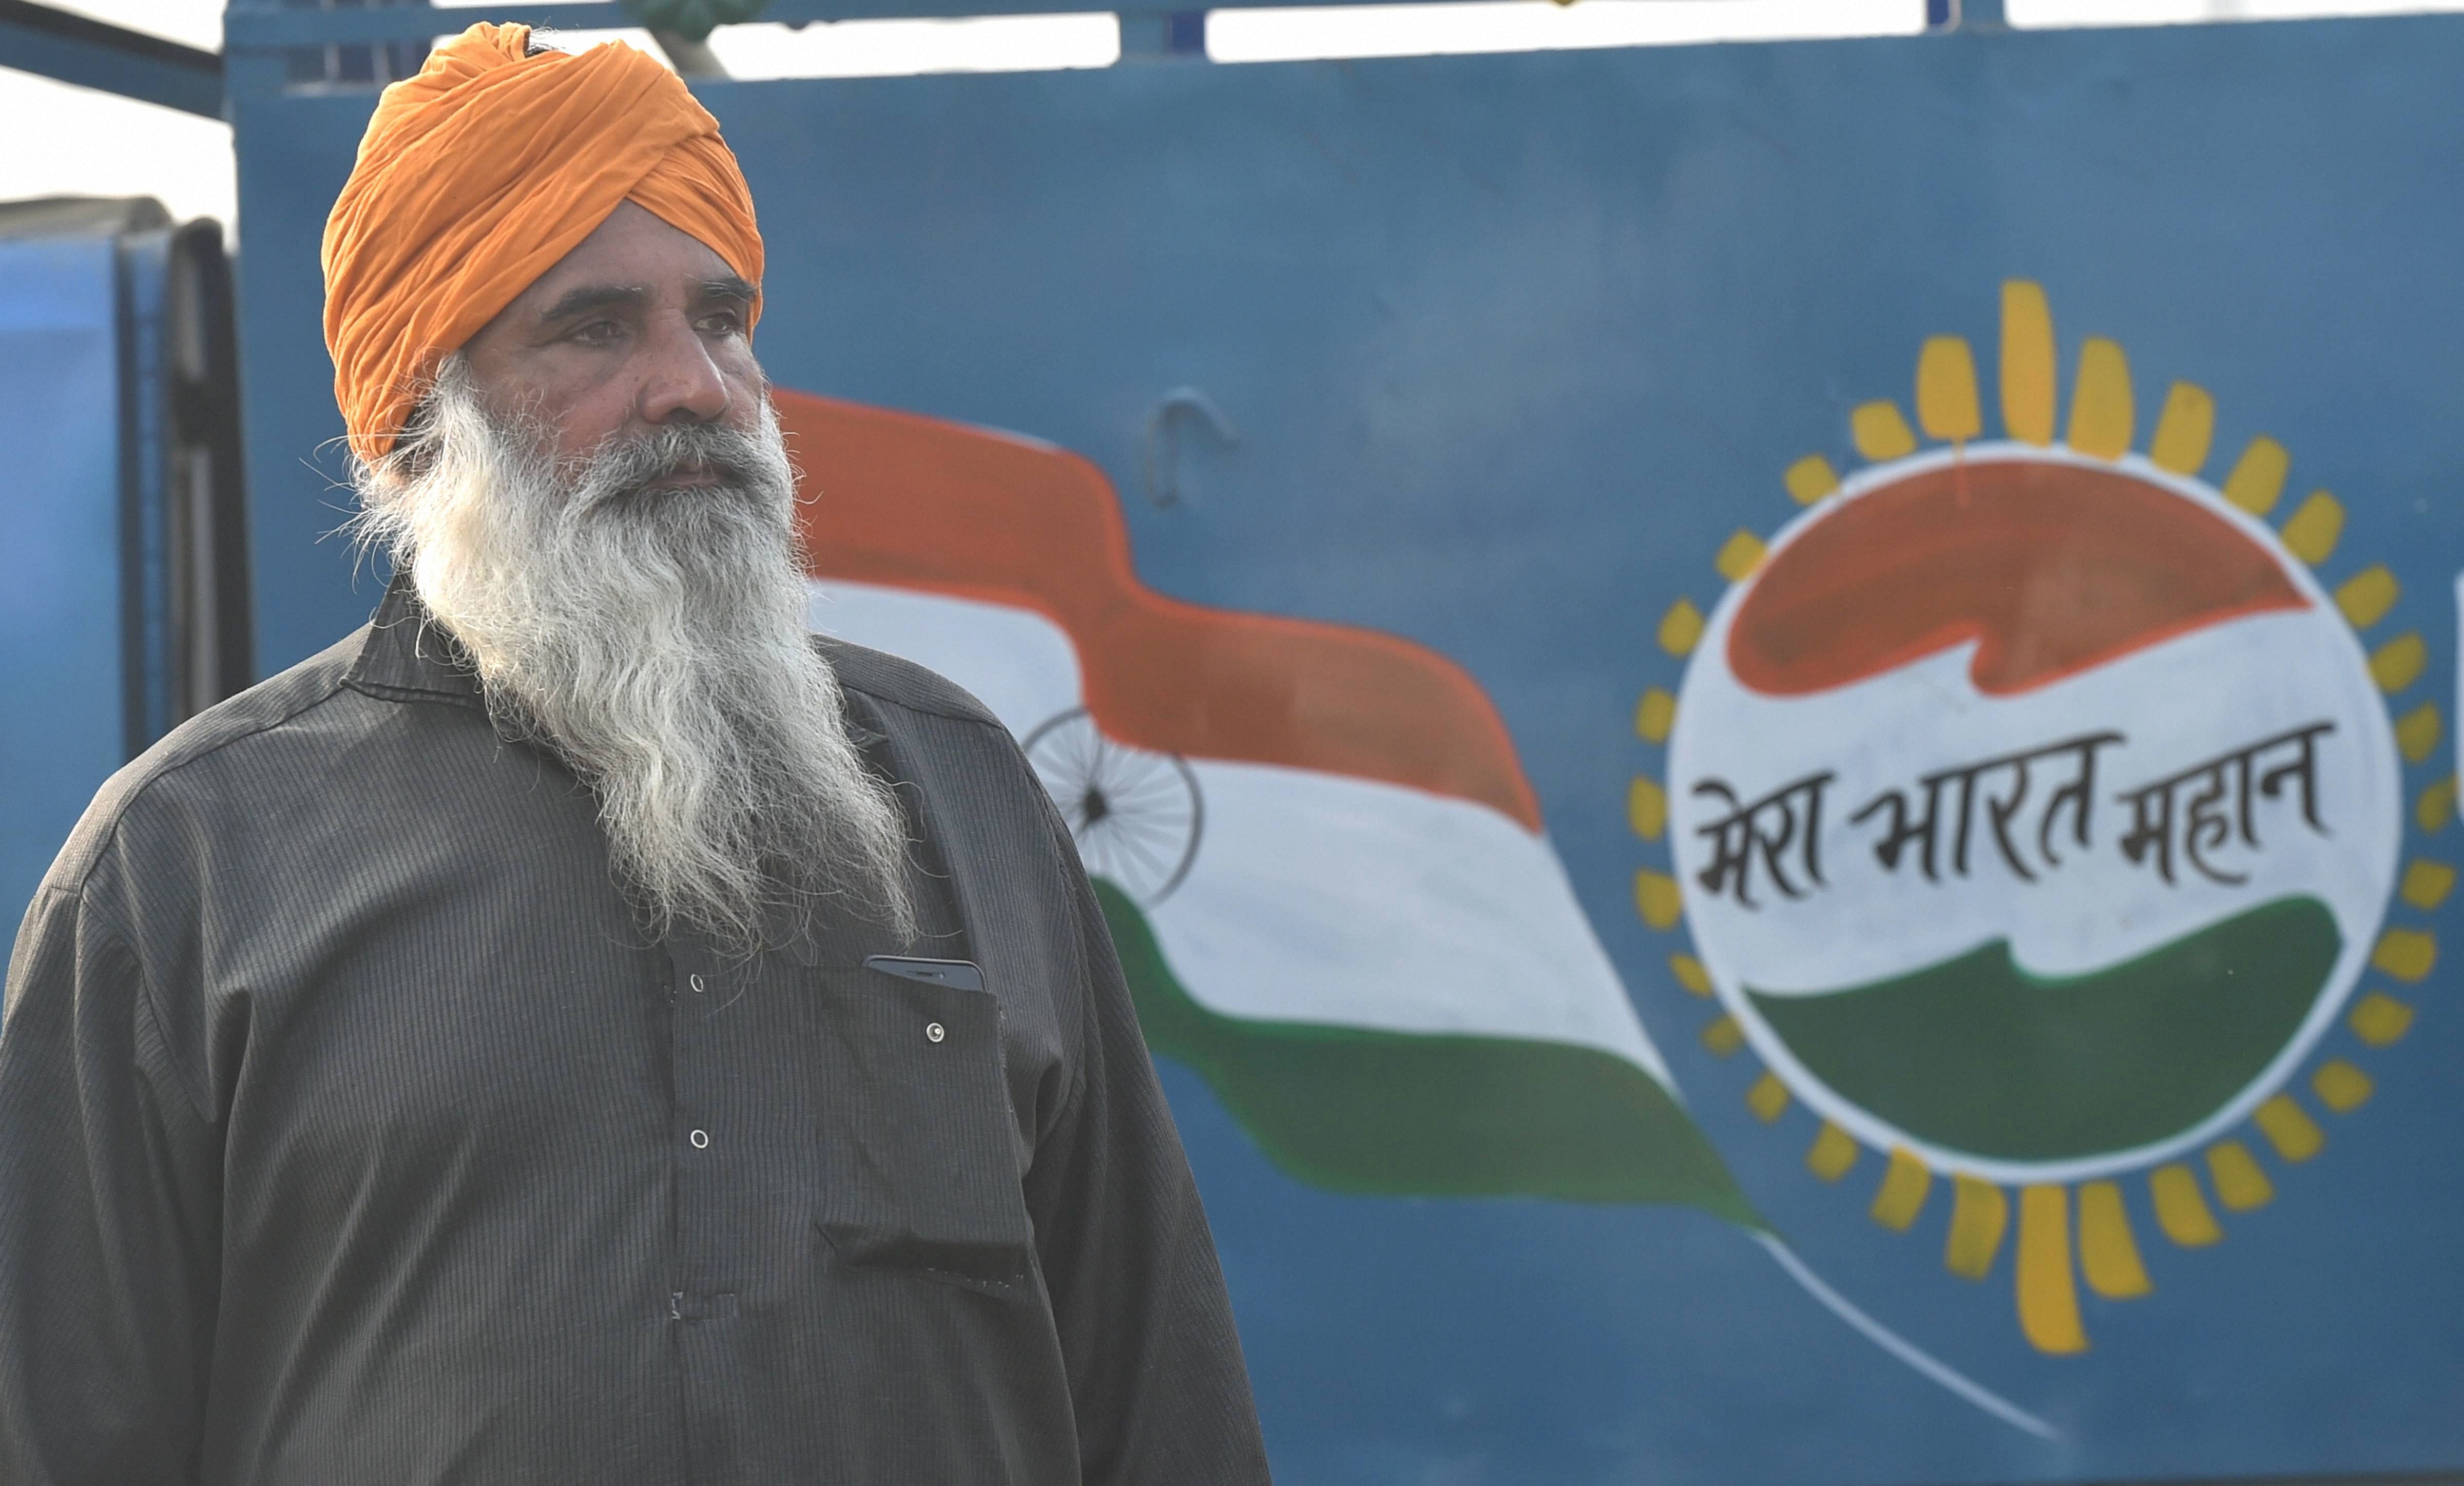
pixel 477 175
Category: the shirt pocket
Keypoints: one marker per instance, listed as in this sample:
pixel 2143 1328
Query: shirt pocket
pixel 924 1175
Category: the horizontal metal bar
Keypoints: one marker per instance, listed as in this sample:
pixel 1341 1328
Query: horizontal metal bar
pixel 50 43
pixel 266 30
pixel 252 29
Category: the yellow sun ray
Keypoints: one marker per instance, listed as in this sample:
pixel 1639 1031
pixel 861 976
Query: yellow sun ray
pixel 2398 664
pixel 2240 1185
pixel 1647 807
pixel 1656 898
pixel 1723 1036
pixel 1879 432
pixel 2289 1129
pixel 2341 1086
pixel 2028 368
pixel 2435 807
pixel 1809 479
pixel 1680 628
pixel 2184 430
pixel 1832 1153
pixel 1690 974
pixel 2181 1209
pixel 1655 716
pixel 2380 1019
pixel 2101 411
pixel 1947 390
pixel 1979 1213
pixel 2427 883
pixel 1739 555
pixel 2406 953
pixel 1902 1196
pixel 2108 1254
pixel 2311 533
pixel 2049 1313
pixel 1767 1099
pixel 2364 597
pixel 2257 477
pixel 2417 733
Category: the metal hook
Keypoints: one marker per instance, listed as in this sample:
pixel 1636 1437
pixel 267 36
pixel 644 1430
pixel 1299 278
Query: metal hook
pixel 1163 444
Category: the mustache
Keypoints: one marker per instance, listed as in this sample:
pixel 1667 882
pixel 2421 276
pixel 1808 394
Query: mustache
pixel 736 459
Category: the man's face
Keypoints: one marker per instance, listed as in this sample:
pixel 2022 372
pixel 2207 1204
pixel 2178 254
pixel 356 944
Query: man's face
pixel 599 506
pixel 640 326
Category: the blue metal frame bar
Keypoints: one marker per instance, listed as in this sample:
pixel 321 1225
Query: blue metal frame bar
pixel 254 26
pixel 50 43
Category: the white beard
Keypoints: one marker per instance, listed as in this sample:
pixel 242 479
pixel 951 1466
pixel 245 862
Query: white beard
pixel 655 639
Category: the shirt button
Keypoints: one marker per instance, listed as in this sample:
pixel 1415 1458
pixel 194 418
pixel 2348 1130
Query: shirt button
pixel 697 986
pixel 933 1032
pixel 700 1140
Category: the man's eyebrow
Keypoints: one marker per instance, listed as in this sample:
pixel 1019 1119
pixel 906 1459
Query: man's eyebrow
pixel 729 286
pixel 594 296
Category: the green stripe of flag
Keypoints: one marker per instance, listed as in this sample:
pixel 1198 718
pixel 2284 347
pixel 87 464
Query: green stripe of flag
pixel 1418 1114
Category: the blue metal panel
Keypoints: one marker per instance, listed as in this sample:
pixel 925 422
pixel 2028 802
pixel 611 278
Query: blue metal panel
pixel 60 636
pixel 1515 344
pixel 295 153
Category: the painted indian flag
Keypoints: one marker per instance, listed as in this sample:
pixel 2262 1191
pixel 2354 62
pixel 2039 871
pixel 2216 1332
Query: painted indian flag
pixel 1322 864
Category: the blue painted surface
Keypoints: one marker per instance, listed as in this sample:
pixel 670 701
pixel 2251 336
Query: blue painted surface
pixel 61 643
pixel 1513 343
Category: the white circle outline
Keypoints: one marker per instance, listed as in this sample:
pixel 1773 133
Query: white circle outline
pixel 2378 737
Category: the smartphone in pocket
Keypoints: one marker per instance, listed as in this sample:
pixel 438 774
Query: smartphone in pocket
pixel 957 975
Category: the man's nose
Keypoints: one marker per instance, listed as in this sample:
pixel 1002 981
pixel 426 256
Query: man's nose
pixel 681 382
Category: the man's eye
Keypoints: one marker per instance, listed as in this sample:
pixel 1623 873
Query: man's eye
pixel 722 322
pixel 599 333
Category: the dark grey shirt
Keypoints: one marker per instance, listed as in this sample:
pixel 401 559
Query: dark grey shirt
pixel 352 1133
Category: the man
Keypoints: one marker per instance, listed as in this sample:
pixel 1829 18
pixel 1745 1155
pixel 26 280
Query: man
pixel 540 1040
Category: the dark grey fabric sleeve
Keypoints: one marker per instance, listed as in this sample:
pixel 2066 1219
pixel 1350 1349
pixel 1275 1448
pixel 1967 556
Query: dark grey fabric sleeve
pixel 108 1204
pixel 1155 1374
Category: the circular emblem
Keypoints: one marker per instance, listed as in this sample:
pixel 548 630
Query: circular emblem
pixel 2034 813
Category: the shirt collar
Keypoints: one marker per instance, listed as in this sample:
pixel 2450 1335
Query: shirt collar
pixel 408 657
